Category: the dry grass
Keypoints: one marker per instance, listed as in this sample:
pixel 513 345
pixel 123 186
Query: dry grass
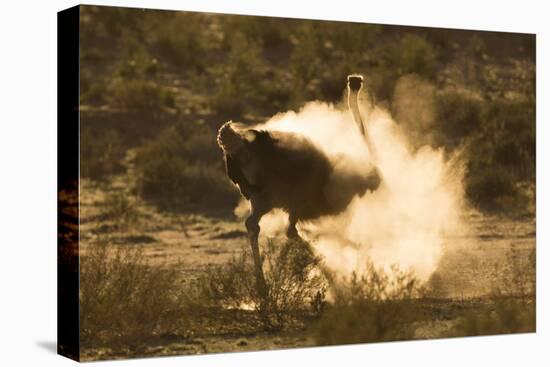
pixel 124 302
pixel 100 154
pixel 505 316
pixel 296 287
pixel 122 208
pixel 514 308
pixel 376 306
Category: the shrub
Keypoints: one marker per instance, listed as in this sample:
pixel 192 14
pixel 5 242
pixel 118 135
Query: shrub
pixel 123 301
pixel 501 158
pixel 100 154
pixel 504 317
pixel 93 89
pixel 175 182
pixel 476 47
pixel 228 100
pixel 498 137
pixel 511 124
pixel 279 93
pixel 402 55
pixel 238 81
pixel 141 95
pixel 332 82
pixel 376 306
pixel 181 40
pixel 183 167
pixel 495 189
pixel 294 279
pixel 459 116
pixel 296 287
pixel 273 34
pixel 349 39
pixel 304 61
pixel 137 67
pixel 122 209
pixel 135 60
pixel 486 187
pixel 412 54
pixel 94 94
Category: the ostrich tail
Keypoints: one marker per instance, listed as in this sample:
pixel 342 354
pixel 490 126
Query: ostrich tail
pixel 229 140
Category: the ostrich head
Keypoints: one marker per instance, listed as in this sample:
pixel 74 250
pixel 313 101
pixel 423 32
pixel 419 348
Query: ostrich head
pixel 232 137
pixel 355 82
pixel 229 139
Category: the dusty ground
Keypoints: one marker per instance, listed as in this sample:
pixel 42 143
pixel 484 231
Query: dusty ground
pixel 472 267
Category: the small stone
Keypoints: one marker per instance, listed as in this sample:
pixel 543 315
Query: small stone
pixel 242 343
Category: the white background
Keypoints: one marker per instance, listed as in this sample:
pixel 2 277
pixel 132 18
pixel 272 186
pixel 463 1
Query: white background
pixel 28 182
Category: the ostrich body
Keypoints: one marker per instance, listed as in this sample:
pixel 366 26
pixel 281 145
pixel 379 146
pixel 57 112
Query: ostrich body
pixel 284 170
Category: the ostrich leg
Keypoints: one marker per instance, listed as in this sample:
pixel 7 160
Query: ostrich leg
pixel 291 231
pixel 253 228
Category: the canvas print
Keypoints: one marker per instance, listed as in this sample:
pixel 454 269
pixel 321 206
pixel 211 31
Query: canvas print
pixel 231 183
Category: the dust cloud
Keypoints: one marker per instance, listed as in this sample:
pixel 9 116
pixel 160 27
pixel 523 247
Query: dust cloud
pixel 405 221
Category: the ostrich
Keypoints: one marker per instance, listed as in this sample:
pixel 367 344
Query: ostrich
pixel 288 171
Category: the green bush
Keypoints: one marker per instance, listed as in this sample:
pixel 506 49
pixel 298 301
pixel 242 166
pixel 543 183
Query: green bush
pixel 486 187
pixel 348 40
pixel 510 125
pixel 417 55
pixel 238 80
pixel 374 307
pixel 123 301
pixel 459 116
pixel 141 95
pixel 94 94
pixel 174 182
pixel 272 34
pixel 501 158
pixel 181 40
pixel 411 53
pixel 403 54
pixel 93 89
pixel 135 60
pixel 330 85
pixel 476 47
pixel 228 101
pixel 304 62
pixel 100 154
pixel 182 167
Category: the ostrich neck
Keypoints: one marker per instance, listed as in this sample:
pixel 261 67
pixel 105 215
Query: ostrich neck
pixel 354 107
